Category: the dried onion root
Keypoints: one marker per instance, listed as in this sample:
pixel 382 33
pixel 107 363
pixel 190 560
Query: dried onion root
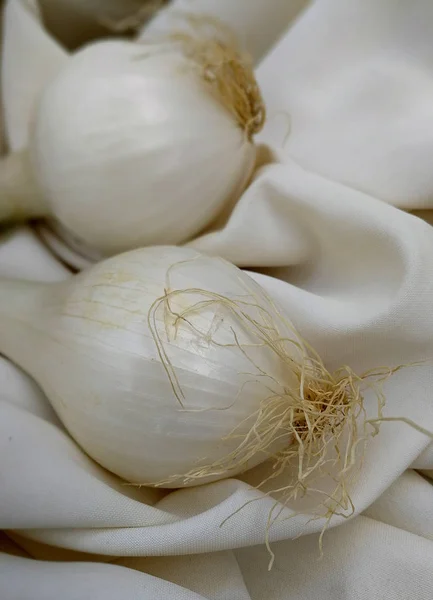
pixel 228 71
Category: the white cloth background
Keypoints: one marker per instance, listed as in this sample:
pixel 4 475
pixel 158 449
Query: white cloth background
pixel 354 273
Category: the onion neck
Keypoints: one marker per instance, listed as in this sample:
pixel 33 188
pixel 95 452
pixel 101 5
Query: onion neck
pixel 21 304
pixel 20 198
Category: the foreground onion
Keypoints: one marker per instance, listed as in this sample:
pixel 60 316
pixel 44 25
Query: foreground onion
pixel 138 144
pixel 172 369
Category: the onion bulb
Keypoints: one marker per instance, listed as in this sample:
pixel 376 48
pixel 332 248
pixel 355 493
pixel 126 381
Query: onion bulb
pixel 170 368
pixel 137 144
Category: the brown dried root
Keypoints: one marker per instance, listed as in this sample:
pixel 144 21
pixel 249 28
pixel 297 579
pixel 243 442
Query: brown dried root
pixel 228 71
pixel 321 423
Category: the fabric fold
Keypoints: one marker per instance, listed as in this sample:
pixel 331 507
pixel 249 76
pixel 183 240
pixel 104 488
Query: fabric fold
pixel 319 228
pixel 349 94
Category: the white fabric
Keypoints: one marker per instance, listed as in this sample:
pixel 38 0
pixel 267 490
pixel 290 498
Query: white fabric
pixel 22 255
pixel 353 79
pixel 354 273
pixel 258 25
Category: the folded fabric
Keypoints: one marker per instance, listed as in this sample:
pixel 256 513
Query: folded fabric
pixel 352 84
pixel 257 25
pixel 353 273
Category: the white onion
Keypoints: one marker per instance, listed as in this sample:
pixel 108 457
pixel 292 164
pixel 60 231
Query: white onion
pixel 90 343
pixel 131 147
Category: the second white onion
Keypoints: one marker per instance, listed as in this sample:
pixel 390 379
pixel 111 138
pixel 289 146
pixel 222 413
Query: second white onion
pixel 137 145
